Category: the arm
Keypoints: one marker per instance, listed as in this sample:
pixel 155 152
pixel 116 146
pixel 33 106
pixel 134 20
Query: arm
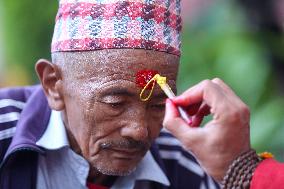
pixel 221 141
pixel 269 175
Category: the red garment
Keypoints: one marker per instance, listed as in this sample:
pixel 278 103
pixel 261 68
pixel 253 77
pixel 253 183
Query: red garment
pixel 269 174
pixel 94 186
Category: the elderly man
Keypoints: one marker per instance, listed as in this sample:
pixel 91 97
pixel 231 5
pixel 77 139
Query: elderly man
pixel 85 126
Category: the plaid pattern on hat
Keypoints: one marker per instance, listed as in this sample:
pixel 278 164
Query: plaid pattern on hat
pixel 83 25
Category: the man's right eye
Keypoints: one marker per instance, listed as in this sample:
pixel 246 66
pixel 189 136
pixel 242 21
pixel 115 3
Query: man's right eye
pixel 113 101
pixel 112 108
pixel 115 104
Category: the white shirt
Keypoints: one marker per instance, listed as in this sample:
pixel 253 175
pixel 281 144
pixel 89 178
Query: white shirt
pixel 61 167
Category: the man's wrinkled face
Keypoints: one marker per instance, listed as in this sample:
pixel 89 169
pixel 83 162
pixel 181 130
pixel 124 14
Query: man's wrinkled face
pixel 106 121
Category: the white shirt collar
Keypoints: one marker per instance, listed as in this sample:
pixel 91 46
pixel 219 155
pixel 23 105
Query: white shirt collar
pixel 55 138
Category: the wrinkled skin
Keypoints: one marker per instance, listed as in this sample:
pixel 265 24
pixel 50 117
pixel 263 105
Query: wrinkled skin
pixel 105 120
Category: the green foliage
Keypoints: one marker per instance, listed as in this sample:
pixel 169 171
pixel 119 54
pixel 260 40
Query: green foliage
pixel 220 44
pixel 28 27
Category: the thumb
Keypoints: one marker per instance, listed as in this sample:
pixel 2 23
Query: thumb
pixel 179 128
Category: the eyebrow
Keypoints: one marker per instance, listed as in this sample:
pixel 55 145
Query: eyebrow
pixel 118 91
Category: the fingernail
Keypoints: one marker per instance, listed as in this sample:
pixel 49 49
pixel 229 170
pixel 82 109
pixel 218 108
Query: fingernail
pixel 176 98
pixel 169 101
pixel 190 122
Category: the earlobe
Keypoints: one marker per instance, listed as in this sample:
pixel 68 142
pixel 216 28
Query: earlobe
pixel 50 77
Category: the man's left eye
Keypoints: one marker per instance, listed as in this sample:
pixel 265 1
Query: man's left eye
pixel 158 106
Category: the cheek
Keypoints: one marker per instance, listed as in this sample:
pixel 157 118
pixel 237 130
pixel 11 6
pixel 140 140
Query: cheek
pixel 101 120
pixel 79 123
pixel 155 121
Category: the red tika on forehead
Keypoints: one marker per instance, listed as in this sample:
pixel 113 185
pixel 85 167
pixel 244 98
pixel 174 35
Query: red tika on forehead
pixel 144 76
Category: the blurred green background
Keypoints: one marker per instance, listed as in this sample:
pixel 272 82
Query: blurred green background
pixel 239 41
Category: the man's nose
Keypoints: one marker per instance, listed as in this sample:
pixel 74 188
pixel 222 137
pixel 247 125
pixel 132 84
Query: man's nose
pixel 136 128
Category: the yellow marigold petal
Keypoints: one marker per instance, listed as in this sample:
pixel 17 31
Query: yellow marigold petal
pixel 266 155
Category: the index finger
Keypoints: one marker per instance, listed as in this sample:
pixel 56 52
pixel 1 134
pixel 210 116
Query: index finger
pixel 205 92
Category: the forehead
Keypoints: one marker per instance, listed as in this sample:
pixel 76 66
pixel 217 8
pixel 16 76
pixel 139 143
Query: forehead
pixel 120 64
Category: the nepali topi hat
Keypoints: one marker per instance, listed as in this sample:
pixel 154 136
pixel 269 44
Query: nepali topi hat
pixel 87 25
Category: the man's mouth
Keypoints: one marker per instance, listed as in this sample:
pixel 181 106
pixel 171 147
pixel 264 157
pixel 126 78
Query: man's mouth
pixel 127 154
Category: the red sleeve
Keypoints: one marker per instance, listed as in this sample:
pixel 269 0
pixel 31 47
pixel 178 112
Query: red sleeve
pixel 95 186
pixel 269 174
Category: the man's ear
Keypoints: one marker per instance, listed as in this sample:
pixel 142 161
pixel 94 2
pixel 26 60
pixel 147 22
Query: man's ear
pixel 51 81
